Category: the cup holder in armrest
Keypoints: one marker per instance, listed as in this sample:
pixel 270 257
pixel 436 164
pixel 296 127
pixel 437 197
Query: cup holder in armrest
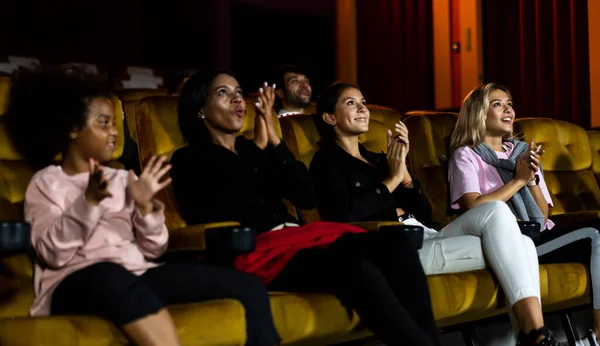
pixel 224 244
pixel 530 229
pixel 413 234
pixel 14 238
pixel 233 240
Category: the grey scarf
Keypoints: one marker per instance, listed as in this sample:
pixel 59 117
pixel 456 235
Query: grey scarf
pixel 522 203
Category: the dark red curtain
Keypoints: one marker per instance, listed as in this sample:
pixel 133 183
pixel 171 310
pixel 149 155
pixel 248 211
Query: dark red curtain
pixel 539 50
pixel 395 53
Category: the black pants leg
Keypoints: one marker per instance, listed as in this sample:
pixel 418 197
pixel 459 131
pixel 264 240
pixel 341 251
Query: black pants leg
pixel 572 248
pixel 109 290
pixel 191 282
pixel 578 242
pixel 360 284
pixel 399 262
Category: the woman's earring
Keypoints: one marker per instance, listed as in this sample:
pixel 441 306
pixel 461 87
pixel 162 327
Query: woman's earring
pixel 202 116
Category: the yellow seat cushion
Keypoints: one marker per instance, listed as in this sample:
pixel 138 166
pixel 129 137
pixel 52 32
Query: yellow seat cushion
pixel 217 322
pixel 319 318
pixel 564 282
pixel 562 286
pixel 454 294
pixel 303 316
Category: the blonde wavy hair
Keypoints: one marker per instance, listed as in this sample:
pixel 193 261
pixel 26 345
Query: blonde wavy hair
pixel 470 125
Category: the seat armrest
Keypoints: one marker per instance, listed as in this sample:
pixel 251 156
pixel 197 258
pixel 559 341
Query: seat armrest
pixel 530 228
pixel 15 238
pixel 230 241
pixel 414 234
pixel 193 238
pixel 373 226
pixel 575 217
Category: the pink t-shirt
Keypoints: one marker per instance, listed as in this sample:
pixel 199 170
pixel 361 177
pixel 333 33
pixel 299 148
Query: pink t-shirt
pixel 468 173
pixel 68 234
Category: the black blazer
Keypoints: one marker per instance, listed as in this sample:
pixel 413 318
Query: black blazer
pixel 211 184
pixel 350 190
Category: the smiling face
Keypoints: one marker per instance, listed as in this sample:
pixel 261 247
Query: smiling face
pixel 500 114
pixel 351 117
pixel 98 137
pixel 297 90
pixel 225 107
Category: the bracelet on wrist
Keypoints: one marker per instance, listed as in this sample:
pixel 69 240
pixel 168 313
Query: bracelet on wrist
pixel 534 182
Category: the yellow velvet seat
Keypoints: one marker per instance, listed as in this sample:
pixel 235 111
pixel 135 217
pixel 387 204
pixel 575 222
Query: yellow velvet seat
pixel 429 134
pixel 562 285
pixel 130 99
pixel 386 115
pixel 594 138
pixel 5 83
pixel 568 167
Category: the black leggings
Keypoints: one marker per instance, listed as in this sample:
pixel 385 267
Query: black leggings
pixel 109 290
pixel 578 242
pixel 379 275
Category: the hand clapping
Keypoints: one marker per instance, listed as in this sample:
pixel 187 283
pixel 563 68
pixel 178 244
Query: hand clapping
pixel 149 183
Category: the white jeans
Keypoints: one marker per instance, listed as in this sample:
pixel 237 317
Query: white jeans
pixel 487 232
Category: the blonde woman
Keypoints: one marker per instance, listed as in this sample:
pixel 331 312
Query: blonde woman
pixel 487 164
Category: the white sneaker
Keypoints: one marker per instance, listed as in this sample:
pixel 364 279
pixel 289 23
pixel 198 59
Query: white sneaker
pixel 589 340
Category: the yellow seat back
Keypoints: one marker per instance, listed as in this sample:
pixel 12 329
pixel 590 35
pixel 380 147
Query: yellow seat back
pixel 429 134
pixel 594 138
pixel 5 84
pixel 130 99
pixel 567 163
pixel 384 114
pixel 301 136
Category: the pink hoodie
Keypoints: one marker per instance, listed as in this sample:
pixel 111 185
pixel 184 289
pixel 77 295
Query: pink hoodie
pixel 68 234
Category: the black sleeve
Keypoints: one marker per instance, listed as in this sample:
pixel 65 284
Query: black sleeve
pixel 206 192
pixel 339 203
pixel 413 201
pixel 293 178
